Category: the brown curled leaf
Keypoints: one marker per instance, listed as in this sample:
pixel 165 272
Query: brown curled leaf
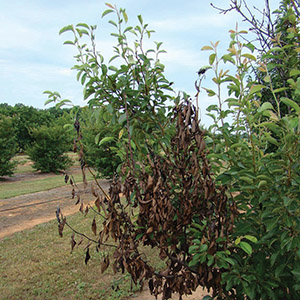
pixel 94 226
pixel 81 208
pixel 66 178
pixel 86 211
pixel 97 203
pixel 105 264
pixel 73 242
pixel 61 226
pixel 87 256
pixel 78 200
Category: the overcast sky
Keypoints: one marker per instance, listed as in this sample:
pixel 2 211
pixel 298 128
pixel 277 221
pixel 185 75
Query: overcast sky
pixel 33 57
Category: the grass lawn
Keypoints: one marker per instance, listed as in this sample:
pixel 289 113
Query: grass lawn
pixel 12 189
pixel 24 164
pixel 37 264
pixel 26 186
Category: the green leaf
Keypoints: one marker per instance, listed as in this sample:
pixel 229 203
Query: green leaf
pixel 122 118
pixel 66 28
pixel 249 56
pixel 246 247
pixel 83 25
pixel 290 103
pixel 251 238
pixel 68 126
pixel 256 88
pixel 203 248
pixel 275 49
pixel 47 92
pixel 109 5
pixel 247 179
pixel 113 23
pixel 48 101
pixel 265 106
pixel 140 19
pixel 296 272
pixel 97 138
pixel 250 47
pixel 125 16
pixel 212 58
pixel 106 140
pixel 210 93
pixel 239 145
pixel 228 57
pixel 280 90
pixel 204 48
pixel 294 72
pixel 69 43
pixel 237 241
pixel 106 12
pixel 113 58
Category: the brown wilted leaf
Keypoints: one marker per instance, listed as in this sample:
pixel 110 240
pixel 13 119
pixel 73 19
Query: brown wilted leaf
pixel 83 175
pixel 210 276
pixel 87 256
pixel 86 211
pixel 57 214
pixel 75 146
pixel 97 203
pixel 73 242
pixel 73 193
pixel 78 199
pixel 105 264
pixel 66 178
pixel 77 126
pixel 94 191
pixel 61 226
pixel 94 227
pixel 81 208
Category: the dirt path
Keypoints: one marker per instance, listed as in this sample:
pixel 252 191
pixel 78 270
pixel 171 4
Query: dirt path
pixel 197 295
pixel 23 212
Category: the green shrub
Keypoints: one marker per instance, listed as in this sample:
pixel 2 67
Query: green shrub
pixel 100 157
pixel 98 154
pixel 8 146
pixel 48 149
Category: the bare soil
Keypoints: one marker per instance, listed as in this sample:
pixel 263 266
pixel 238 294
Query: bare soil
pixel 26 211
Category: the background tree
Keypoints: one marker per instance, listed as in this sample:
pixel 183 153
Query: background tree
pixel 100 141
pixel 8 145
pixel 49 147
pixel 26 118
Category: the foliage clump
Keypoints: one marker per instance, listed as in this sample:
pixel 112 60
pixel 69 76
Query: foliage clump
pixel 8 146
pixel 99 154
pixel 48 151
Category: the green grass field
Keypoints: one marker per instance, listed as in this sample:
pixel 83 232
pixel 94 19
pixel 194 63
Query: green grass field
pixel 37 264
pixel 33 185
pixel 12 189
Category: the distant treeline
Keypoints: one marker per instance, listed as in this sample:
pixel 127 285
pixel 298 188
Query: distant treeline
pixel 26 118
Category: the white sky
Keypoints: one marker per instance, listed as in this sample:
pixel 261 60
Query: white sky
pixel 33 58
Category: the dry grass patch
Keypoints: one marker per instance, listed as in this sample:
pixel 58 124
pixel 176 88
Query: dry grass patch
pixel 37 264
